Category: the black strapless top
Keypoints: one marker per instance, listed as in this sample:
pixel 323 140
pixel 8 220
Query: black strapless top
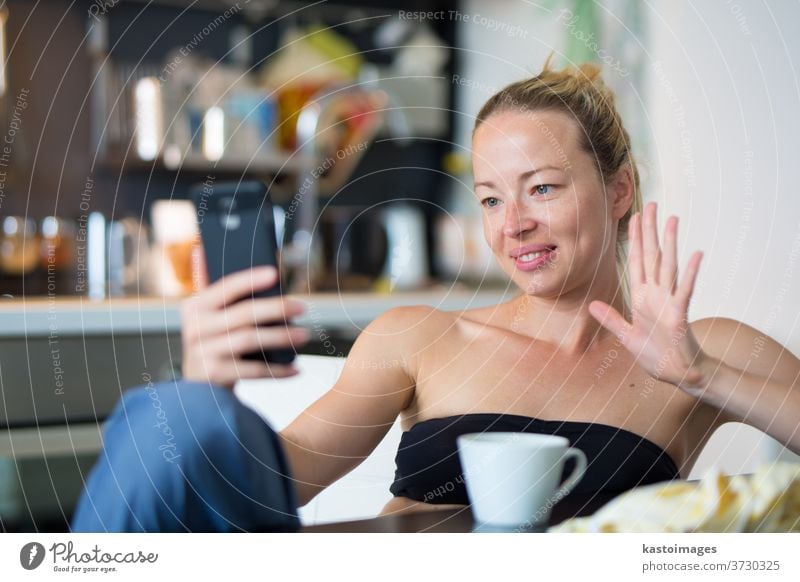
pixel 429 470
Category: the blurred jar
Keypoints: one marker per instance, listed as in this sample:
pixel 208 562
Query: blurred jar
pixel 57 254
pixel 291 100
pixel 250 122
pixel 57 244
pixel 175 259
pixel 19 249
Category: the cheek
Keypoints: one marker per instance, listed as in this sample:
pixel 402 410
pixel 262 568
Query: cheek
pixel 491 234
pixel 596 219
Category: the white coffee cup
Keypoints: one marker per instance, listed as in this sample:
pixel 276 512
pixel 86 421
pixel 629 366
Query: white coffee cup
pixel 512 478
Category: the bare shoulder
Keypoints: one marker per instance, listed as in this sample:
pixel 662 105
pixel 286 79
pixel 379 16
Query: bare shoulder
pixel 720 334
pixel 411 321
pixel 746 348
pixel 402 333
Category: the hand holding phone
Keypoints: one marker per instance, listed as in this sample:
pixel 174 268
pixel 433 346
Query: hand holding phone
pixel 238 232
pixel 220 324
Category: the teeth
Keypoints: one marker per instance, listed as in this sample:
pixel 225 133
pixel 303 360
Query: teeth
pixel 531 256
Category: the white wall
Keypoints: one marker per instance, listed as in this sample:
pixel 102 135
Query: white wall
pixel 719 147
pixel 492 59
pixel 730 169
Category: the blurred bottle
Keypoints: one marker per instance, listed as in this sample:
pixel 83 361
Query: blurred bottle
pixel 128 256
pixel 407 257
pixel 93 280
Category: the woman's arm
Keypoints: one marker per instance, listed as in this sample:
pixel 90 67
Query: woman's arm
pixel 338 431
pixel 344 426
pixel 750 378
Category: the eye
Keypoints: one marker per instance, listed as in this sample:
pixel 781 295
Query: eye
pixel 543 189
pixel 490 202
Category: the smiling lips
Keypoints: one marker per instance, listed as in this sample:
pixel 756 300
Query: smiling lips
pixel 531 257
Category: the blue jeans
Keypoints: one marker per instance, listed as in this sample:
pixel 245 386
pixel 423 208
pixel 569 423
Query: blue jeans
pixel 183 456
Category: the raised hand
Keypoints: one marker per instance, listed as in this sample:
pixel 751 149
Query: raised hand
pixel 659 337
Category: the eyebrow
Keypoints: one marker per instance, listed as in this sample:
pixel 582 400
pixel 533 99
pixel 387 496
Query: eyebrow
pixel 524 176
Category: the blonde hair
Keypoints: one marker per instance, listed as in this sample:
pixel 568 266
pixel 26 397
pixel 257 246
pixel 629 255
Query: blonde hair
pixel 581 93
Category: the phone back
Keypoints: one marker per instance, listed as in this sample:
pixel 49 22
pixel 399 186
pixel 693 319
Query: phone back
pixel 237 226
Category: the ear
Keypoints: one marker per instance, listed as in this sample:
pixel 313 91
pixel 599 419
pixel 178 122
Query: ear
pixel 621 189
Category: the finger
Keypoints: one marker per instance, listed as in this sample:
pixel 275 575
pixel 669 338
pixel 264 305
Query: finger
pixel 669 260
pixel 610 318
pixel 246 341
pixel 652 252
pixel 252 313
pixel 635 249
pixel 236 286
pixel 689 278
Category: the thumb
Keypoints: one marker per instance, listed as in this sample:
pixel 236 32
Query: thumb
pixel 609 318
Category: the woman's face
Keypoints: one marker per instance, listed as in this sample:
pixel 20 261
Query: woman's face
pixel 546 213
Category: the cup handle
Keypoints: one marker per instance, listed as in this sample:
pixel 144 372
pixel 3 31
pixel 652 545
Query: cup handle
pixel 577 472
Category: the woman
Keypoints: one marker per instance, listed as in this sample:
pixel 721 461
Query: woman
pixel 629 381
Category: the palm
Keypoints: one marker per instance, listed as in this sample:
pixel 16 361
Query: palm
pixel 659 336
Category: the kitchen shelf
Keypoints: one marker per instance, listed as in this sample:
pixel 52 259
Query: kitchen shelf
pixel 272 163
pixel 139 315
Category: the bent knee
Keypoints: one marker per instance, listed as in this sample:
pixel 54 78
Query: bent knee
pixel 173 416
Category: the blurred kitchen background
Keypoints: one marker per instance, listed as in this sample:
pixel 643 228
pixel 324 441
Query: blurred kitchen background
pixel 357 115
pixel 132 103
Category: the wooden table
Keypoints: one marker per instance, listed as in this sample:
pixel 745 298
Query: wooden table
pixel 455 520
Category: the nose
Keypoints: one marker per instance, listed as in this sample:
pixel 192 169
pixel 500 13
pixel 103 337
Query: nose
pixel 517 221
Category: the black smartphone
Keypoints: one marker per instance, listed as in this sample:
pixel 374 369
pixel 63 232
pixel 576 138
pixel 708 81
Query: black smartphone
pixel 237 226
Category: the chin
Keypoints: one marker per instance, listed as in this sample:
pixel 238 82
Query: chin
pixel 533 284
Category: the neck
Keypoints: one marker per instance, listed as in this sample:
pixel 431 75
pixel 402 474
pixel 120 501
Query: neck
pixel 565 321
